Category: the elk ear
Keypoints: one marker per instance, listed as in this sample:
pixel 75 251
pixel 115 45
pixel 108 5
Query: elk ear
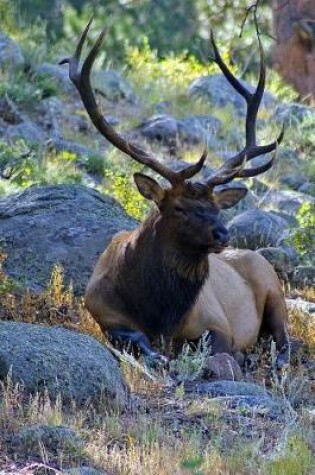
pixel 229 197
pixel 149 188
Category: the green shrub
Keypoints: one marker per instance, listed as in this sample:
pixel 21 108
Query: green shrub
pixel 193 465
pixel 8 17
pixel 46 85
pixel 94 164
pixel 303 237
pixel 167 78
pixel 19 89
pixel 11 156
pixel 23 166
pixel 296 460
pixel 180 69
pixel 50 168
pixel 27 90
pixel 190 362
pixel 120 187
pixel 307 140
pixel 276 85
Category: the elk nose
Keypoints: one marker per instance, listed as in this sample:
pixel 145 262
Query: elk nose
pixel 221 236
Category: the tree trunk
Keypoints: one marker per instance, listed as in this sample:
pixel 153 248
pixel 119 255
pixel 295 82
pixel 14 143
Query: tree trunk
pixel 294 53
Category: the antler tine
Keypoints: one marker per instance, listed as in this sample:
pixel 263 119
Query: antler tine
pixel 192 170
pixel 255 99
pixel 225 176
pixel 226 172
pixel 81 80
pixel 75 59
pixel 226 71
pixel 250 172
pixel 252 153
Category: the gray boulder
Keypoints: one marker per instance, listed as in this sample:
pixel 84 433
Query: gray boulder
pixel 218 91
pixel 301 305
pixel 304 276
pixel 61 145
pixel 58 74
pixel 298 182
pixel 162 128
pixel 54 112
pixel 226 388
pixel 222 367
pixel 9 112
pixel 308 187
pixel 256 228
pixel 293 113
pixel 205 127
pixel 56 439
pixel 290 219
pixel 66 224
pixel 259 187
pixel 30 132
pixel 84 470
pixel 189 130
pixel 288 159
pixel 249 398
pixel 279 259
pixel 11 56
pixel 113 85
pixel 206 121
pixel 61 362
pixel 286 201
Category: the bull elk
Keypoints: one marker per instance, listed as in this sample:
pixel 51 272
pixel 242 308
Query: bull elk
pixel 174 275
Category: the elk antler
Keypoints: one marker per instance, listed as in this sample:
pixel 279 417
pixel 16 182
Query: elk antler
pixel 81 80
pixel 234 166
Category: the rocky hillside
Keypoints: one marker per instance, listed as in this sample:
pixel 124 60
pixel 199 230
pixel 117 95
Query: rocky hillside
pixel 66 406
pixel 46 139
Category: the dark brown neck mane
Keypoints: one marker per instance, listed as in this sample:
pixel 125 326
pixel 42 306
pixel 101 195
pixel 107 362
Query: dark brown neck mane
pixel 158 283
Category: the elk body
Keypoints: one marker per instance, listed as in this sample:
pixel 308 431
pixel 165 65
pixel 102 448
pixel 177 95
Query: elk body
pixel 174 275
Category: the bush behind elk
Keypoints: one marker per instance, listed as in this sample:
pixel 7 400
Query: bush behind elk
pixel 174 275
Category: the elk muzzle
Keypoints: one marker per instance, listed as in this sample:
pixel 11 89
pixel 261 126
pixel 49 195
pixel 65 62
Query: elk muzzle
pixel 221 236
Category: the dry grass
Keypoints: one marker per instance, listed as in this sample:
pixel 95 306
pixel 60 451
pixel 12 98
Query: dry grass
pixel 307 293
pixel 302 324
pixel 168 430
pixel 54 306
pixel 187 435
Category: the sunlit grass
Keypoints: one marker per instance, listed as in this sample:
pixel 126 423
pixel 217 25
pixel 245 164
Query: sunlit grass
pixel 167 428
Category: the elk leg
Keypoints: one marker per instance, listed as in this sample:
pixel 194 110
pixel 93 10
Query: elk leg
pixel 276 323
pixel 135 338
pixel 219 342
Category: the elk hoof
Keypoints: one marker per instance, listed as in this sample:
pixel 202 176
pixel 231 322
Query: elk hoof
pixel 156 360
pixel 283 358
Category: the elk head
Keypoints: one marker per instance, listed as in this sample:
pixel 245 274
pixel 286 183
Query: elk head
pixel 190 209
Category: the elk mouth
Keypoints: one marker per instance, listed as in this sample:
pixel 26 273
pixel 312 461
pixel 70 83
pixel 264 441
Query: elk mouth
pixel 218 248
pixel 212 248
